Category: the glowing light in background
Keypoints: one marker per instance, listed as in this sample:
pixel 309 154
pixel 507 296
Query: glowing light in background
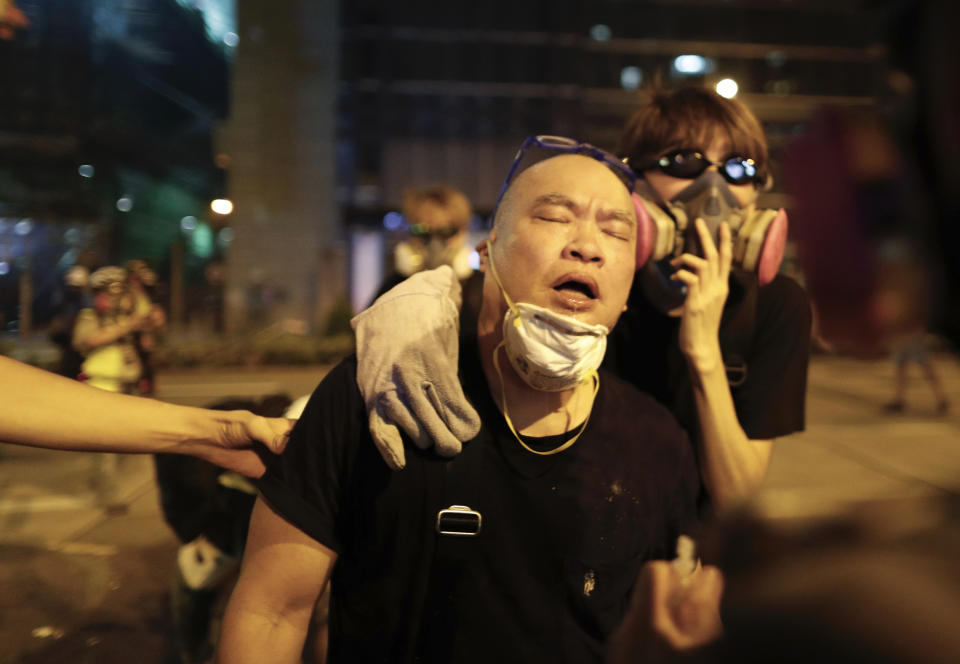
pixel 690 64
pixel 86 171
pixel 188 223
pixel 776 58
pixel 201 241
pixel 393 221
pixel 727 88
pixel 23 227
pixel 124 203
pixel 221 205
pixel 631 77
pixel 225 237
pixel 4 268
pixel 600 32
pixel 231 39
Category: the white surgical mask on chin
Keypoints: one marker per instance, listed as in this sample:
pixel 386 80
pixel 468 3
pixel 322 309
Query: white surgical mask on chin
pixel 550 351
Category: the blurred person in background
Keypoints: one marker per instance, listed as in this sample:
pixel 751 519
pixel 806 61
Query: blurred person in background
pixel 718 337
pixel 140 278
pixel 914 350
pixel 438 219
pixel 875 187
pixel 104 334
pixel 11 19
pixel 75 297
pixel 905 289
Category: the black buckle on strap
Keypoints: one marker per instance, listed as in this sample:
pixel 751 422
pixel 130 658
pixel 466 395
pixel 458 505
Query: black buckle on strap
pixel 459 521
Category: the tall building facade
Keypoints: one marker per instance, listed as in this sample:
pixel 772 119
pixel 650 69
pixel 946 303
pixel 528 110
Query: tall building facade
pixel 287 262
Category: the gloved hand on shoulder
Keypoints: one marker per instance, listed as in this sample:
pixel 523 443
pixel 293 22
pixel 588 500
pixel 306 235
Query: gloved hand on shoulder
pixel 407 359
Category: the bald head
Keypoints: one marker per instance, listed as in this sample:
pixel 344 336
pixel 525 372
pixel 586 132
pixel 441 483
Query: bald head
pixel 564 237
pixel 551 177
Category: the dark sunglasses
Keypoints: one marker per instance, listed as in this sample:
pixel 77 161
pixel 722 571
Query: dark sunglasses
pixel 689 164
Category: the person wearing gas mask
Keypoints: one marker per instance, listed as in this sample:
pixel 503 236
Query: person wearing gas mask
pixel 525 547
pixel 711 329
pixel 724 344
pixel 437 219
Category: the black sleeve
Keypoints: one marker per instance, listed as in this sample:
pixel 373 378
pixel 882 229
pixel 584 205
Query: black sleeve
pixel 772 400
pixel 306 483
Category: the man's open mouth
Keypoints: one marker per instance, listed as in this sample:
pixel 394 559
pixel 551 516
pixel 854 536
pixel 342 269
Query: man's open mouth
pixel 582 288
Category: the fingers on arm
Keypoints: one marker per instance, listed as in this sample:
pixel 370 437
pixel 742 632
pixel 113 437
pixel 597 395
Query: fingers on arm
pixel 274 432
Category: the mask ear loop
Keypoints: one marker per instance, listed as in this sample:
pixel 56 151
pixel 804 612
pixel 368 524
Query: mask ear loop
pixel 496 277
pixel 506 414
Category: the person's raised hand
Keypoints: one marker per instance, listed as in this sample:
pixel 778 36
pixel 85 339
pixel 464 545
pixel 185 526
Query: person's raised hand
pixel 707 282
pixel 407 361
pixel 669 614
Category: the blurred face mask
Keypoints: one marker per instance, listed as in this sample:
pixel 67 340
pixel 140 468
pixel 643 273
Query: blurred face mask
pixel 551 352
pixel 416 255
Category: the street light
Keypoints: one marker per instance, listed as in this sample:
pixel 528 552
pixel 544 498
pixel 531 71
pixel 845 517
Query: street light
pixel 727 88
pixel 221 205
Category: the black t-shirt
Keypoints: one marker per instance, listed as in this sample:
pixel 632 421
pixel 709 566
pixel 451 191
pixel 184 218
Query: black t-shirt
pixel 764 329
pixel 562 540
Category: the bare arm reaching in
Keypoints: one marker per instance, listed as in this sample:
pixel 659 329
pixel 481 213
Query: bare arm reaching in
pixel 41 409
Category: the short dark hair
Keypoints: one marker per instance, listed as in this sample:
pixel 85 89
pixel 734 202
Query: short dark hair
pixel 685 118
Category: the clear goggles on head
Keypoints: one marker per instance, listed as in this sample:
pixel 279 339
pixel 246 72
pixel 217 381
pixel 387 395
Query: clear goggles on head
pixel 563 144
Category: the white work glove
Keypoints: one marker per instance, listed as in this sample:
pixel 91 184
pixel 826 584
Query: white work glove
pixel 407 359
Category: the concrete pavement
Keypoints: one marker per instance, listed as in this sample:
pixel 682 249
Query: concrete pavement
pixel 853 452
